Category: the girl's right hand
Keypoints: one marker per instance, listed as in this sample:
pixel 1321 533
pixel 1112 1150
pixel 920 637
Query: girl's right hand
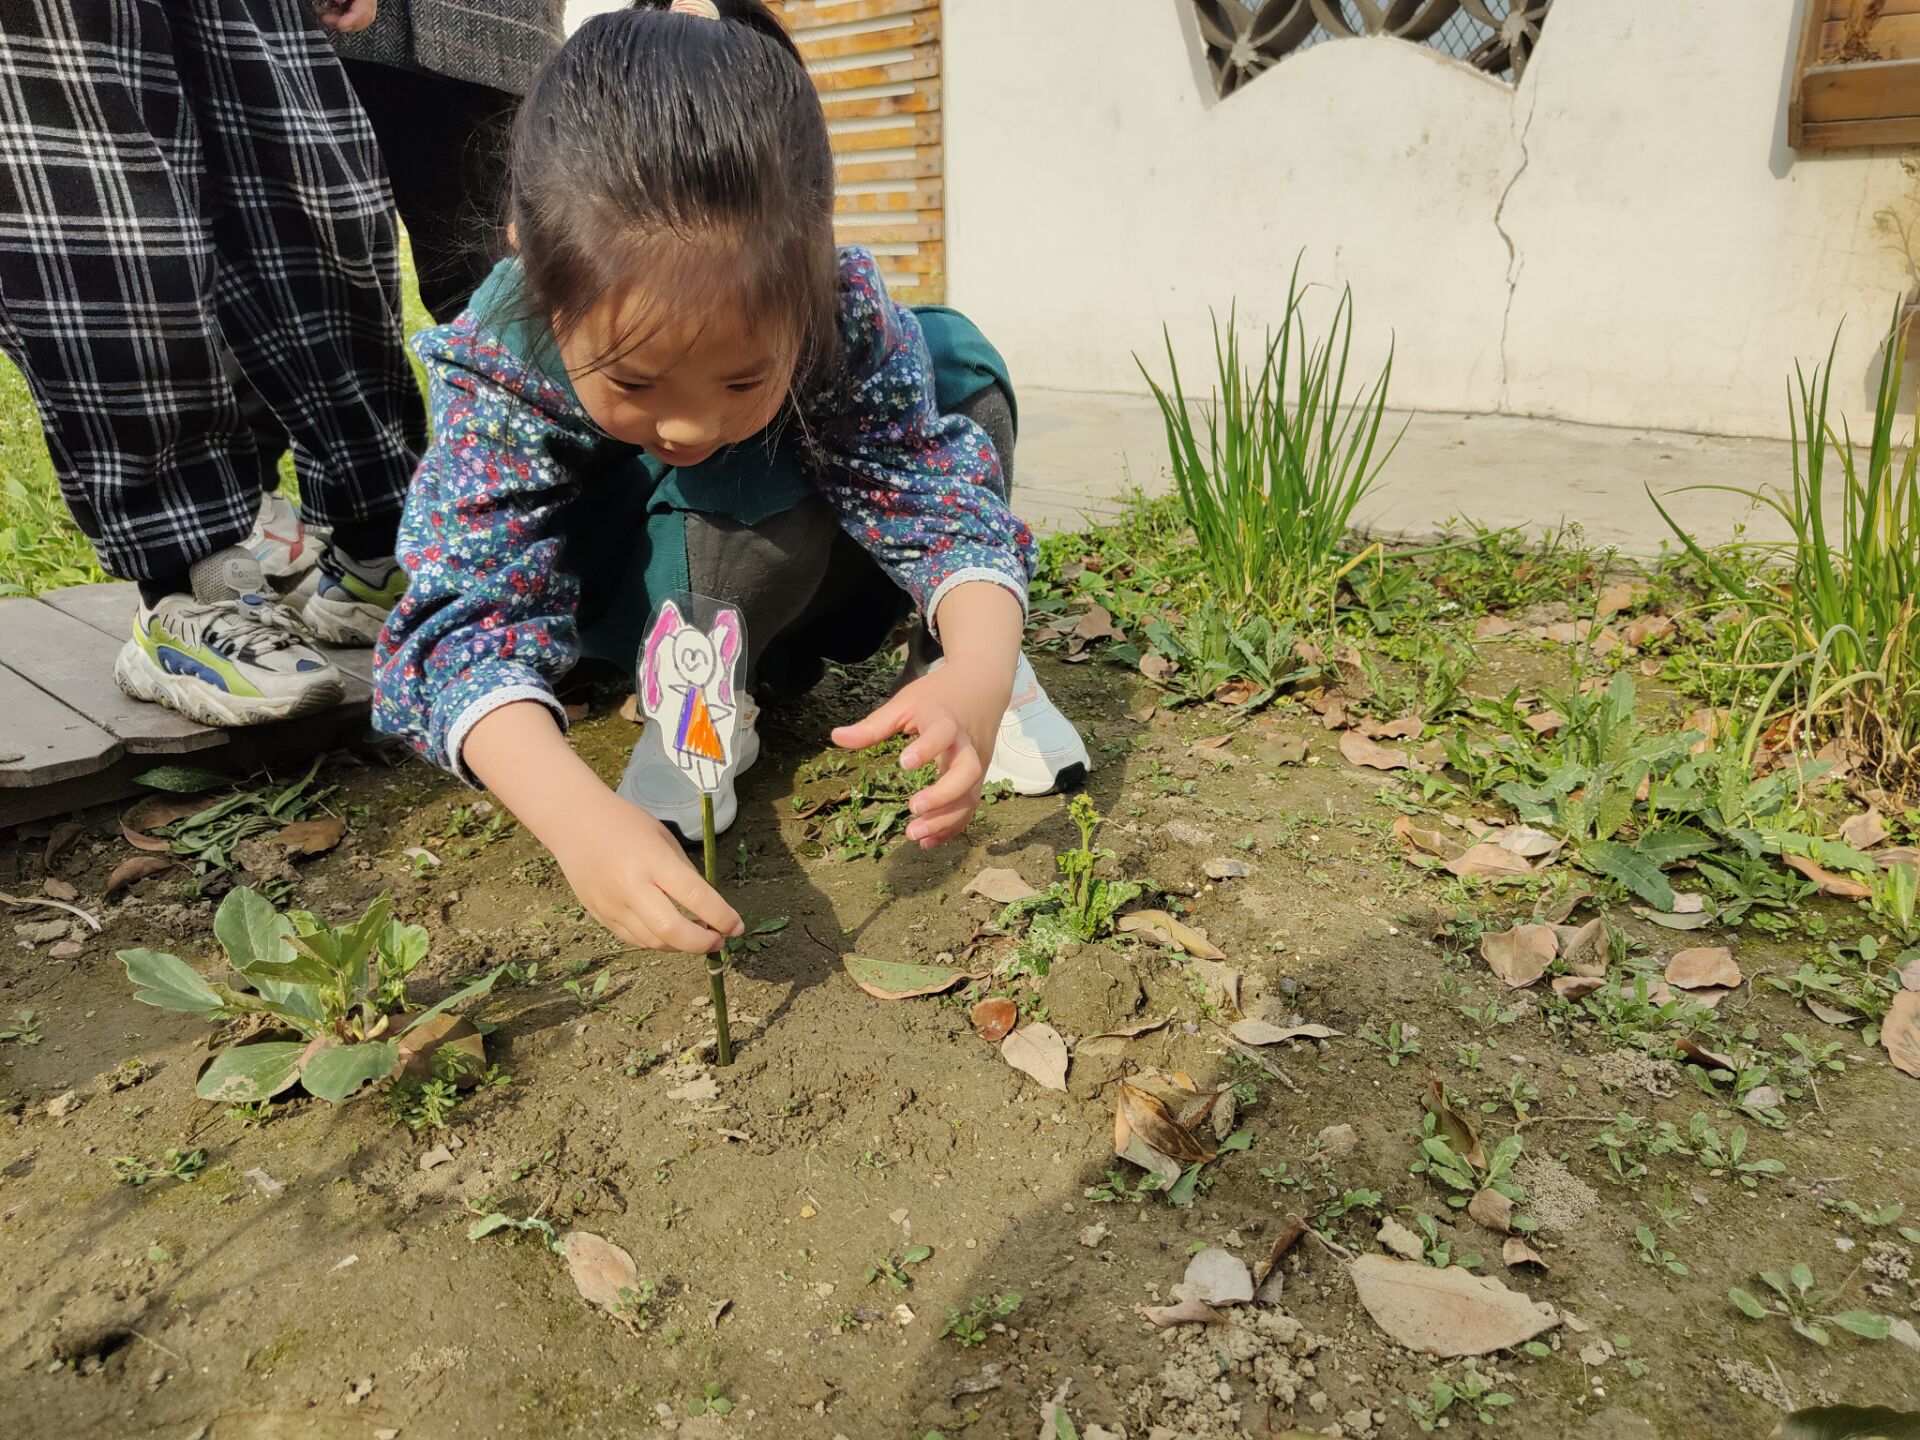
pixel 629 870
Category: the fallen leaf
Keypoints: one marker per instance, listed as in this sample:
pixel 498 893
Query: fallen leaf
pixel 1521 955
pixel 1515 1251
pixel 1218 1277
pixel 1445 1312
pixel 1696 1053
pixel 1407 727
pixel 419 1048
pixel 1127 1032
pixel 1224 1114
pixel 1159 925
pixel 311 837
pixel 1488 861
pixel 1283 1242
pixel 1829 883
pixel 1143 714
pixel 1260 1032
pixel 1452 1126
pixel 1493 1210
pixel 1897 855
pixel 155 812
pixel 1097 624
pixel 1145 1116
pixel 1762 1097
pixel 1830 1014
pixel 59 890
pixel 420 855
pixel 1863 832
pixel 1157 667
pixel 1617 596
pixel 1900 1032
pixel 1003 887
pixel 134 869
pixel 1212 742
pixel 994 1019
pixel 1432 842
pixel 1187 1312
pixel 1163 1168
pixel 1038 1050
pixel 600 1269
pixel 1584 948
pixel 901 979
pixel 1708 966
pixel 1285 750
pixel 1235 692
pixel 1909 974
pixel 1356 749
pixel 59 838
pixel 1678 920
pixel 1399 1240
pixel 1574 987
pixel 1547 722
pixel 696 1091
pixel 1222 982
pixel 1227 869
pixel 1492 627
pixel 1524 841
pixel 1646 629
pixel 1689 902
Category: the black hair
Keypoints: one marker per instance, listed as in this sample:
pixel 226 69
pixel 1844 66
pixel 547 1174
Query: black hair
pixel 687 153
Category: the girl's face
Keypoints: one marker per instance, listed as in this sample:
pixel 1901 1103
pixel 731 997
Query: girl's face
pixel 696 383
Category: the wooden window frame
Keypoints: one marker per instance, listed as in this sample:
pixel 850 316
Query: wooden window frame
pixel 1840 104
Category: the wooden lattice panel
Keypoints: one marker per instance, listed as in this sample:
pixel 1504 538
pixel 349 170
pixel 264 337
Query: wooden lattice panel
pixel 1856 79
pixel 877 66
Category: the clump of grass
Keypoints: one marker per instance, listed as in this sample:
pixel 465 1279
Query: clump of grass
pixel 1833 634
pixel 1288 455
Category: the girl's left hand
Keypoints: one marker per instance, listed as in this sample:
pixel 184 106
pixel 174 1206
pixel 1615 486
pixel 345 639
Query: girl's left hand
pixel 954 717
pixel 347 16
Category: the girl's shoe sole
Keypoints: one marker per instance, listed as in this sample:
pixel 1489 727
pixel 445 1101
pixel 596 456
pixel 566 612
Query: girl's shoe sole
pixel 138 675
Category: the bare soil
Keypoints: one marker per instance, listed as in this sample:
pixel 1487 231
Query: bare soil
pixel 351 1302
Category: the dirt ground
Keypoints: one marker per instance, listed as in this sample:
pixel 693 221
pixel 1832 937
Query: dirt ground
pixel 316 1280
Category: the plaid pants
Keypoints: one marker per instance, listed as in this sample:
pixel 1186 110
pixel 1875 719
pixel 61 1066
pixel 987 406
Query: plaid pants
pixel 175 176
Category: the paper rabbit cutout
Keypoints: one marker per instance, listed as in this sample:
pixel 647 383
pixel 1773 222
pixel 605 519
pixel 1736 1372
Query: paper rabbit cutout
pixel 687 685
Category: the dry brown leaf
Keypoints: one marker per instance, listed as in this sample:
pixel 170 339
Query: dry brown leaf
pixel 1407 727
pixel 1212 742
pixel 1829 883
pixel 1222 982
pixel 1260 1032
pixel 1584 947
pixel 1037 1050
pixel 1140 1114
pixel 1909 974
pixel 1097 624
pixel 1285 1241
pixel 1521 955
pixel 1003 887
pixel 600 1269
pixel 1187 1312
pixel 1235 692
pixel 1157 667
pixel 1452 1126
pixel 1128 1032
pixel 1356 749
pixel 1865 831
pixel 1689 902
pixel 1160 926
pixel 311 837
pixel 419 1047
pixel 59 890
pixel 1897 855
pixel 1618 595
pixel 1492 627
pixel 133 869
pixel 59 838
pixel 994 1019
pixel 1397 1239
pixel 1900 1032
pixel 1142 714
pixel 1515 1252
pixel 1217 1276
pixel 1566 632
pixel 1574 987
pixel 1445 1312
pixel 1488 861
pixel 1709 966
pixel 1648 628
pixel 1695 1053
pixel 1829 1014
pixel 1493 1210
pixel 150 814
pixel 1284 750
pixel 1524 841
pixel 1432 842
pixel 1547 722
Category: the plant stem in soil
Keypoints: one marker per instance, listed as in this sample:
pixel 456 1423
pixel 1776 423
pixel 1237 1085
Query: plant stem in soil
pixel 716 964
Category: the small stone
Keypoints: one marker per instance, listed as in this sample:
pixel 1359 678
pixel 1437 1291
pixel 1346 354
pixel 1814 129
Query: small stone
pixel 439 1155
pixel 704 1088
pixel 1093 1235
pixel 1339 1141
pixel 1187 833
pixel 1227 869
pixel 39 932
pixel 824 1289
pixel 63 1104
pixel 265 1183
pixel 66 950
pixel 902 1315
pixel 1400 1240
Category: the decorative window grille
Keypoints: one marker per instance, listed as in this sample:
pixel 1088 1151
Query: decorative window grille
pixel 1246 38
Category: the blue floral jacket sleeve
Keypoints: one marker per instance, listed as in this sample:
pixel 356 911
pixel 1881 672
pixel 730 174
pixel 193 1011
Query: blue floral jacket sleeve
pixel 489 613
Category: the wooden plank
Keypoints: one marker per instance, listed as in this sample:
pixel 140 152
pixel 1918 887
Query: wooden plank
pixel 930 262
pixel 929 196
pixel 73 662
pixel 921 167
pixel 1842 9
pixel 1873 90
pixel 107 608
pixel 1896 37
pixel 812 14
pixel 857 77
pixel 910 133
pixel 907 35
pixel 1804 52
pixel 1853 134
pixel 924 99
pixel 878 230
pixel 919 294
pixel 54 743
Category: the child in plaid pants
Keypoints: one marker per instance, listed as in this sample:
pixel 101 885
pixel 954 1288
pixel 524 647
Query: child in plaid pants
pixel 180 178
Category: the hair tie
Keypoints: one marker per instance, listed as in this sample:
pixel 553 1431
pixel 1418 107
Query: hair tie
pixel 705 9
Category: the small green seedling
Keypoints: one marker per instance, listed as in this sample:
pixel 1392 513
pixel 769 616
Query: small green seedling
pixel 1437 1252
pixel 1651 1253
pixel 1396 1044
pixel 1473 1393
pixel 25 1029
pixel 494 1220
pixel 589 996
pixel 972 1326
pixel 1721 1159
pixel 713 1402
pixel 1804 1308
pixel 341 986
pixel 1081 905
pixel 634 1304
pixel 894 1272
pixel 174 1165
pixel 1347 1202
pixel 1441 1163
pixel 253 1114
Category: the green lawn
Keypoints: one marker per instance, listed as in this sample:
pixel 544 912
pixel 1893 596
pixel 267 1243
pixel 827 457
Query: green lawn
pixel 40 549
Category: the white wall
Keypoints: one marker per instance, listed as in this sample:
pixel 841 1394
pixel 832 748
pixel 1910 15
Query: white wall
pixel 1622 239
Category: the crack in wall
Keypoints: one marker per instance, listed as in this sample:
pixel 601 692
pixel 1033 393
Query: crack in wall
pixel 1514 263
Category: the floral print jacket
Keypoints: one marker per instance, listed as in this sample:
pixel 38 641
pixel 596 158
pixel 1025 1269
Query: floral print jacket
pixel 489 613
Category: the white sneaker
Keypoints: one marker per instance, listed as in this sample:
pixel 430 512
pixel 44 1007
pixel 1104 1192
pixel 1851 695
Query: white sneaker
pixel 281 542
pixel 662 789
pixel 1038 751
pixel 228 654
pixel 346 602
